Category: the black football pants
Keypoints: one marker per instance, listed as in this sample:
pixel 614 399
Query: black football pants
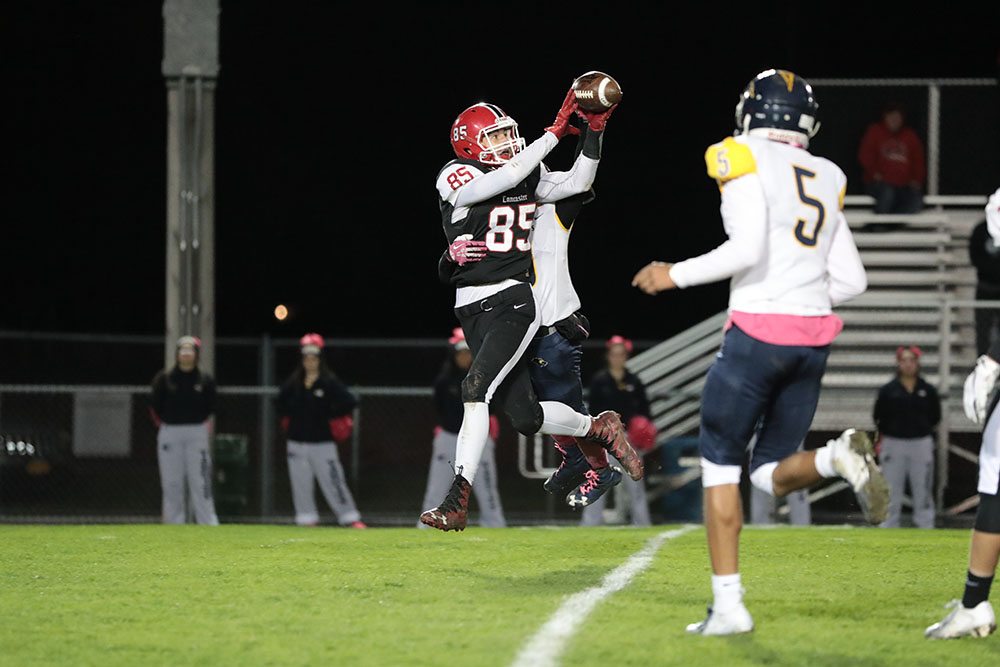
pixel 498 329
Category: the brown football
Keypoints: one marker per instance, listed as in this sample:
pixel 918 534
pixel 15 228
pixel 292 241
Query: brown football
pixel 596 91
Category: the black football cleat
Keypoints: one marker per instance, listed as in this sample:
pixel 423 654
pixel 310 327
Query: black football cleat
pixel 452 513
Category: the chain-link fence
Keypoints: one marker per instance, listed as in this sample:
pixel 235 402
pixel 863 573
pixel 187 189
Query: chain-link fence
pixel 79 444
pixel 88 453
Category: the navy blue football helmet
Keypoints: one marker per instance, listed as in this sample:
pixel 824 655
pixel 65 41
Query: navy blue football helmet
pixel 778 105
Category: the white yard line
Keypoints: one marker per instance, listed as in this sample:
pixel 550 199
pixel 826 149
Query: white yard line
pixel 543 649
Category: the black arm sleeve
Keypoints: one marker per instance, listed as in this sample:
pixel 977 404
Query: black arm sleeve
pixel 592 143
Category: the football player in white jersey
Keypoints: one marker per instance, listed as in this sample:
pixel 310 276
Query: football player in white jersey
pixel 791 258
pixel 973 615
pixel 584 474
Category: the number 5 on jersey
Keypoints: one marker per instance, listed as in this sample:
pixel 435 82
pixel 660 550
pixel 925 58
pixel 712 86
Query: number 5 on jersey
pixel 504 235
pixel 808 240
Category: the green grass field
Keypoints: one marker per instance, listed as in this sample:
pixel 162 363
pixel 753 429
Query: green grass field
pixel 271 595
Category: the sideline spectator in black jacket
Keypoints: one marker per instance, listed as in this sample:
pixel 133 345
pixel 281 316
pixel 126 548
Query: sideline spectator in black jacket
pixel 906 412
pixel 183 400
pixel 619 389
pixel 316 412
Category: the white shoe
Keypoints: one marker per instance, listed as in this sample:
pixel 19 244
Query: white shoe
pixel 730 621
pixel 979 621
pixel 854 460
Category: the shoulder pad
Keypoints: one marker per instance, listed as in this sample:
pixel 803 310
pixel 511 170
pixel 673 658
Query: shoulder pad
pixel 455 174
pixel 729 159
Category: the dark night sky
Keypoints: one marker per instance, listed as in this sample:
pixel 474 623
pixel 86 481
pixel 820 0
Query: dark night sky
pixel 331 129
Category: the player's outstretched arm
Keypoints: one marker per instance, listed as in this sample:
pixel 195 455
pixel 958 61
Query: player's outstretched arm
pixel 744 216
pixel 654 278
pixel 489 184
pixel 558 185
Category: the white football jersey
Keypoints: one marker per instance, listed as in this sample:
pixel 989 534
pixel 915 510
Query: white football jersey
pixel 789 250
pixel 555 296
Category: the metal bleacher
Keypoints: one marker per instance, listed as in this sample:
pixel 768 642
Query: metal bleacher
pixel 921 286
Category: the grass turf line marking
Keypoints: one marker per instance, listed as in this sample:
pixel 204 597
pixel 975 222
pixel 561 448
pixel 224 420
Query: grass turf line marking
pixel 543 649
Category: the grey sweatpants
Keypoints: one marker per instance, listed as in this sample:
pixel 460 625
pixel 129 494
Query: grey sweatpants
pixel 910 459
pixel 630 502
pixel 319 461
pixel 184 456
pixel 484 486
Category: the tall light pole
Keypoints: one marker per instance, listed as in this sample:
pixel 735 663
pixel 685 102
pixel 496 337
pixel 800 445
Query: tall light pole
pixel 190 69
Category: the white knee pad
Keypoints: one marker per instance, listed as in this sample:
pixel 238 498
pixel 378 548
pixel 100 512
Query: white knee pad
pixel 763 477
pixel 713 474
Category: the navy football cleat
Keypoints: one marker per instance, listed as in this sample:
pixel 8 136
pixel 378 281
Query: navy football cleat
pixel 595 485
pixel 570 472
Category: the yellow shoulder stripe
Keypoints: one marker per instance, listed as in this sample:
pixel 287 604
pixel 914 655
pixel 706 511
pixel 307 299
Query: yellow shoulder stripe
pixel 729 159
pixel 842 193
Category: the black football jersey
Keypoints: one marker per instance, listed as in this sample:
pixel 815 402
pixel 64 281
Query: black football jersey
pixel 504 222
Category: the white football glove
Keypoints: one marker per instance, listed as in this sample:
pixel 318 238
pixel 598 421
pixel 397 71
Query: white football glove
pixel 978 387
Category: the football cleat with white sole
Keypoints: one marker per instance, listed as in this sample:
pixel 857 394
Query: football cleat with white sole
pixel 595 484
pixel 731 621
pixel 854 460
pixel 979 621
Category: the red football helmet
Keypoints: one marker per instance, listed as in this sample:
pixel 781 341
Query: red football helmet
pixel 469 131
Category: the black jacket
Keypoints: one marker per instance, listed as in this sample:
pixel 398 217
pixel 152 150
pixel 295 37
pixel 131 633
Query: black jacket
pixel 628 400
pixel 900 414
pixel 448 399
pixel 181 397
pixel 309 411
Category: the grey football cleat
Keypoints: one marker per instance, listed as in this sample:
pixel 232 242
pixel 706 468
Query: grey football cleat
pixel 854 460
pixel 980 621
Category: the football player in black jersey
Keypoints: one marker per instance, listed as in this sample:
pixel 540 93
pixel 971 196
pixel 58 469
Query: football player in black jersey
pixel 488 197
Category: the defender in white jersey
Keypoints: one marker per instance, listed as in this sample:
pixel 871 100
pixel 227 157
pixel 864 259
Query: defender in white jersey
pixel 973 615
pixel 584 474
pixel 791 258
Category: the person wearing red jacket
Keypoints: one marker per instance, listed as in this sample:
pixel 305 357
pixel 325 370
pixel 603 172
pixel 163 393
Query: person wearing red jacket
pixel 894 168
